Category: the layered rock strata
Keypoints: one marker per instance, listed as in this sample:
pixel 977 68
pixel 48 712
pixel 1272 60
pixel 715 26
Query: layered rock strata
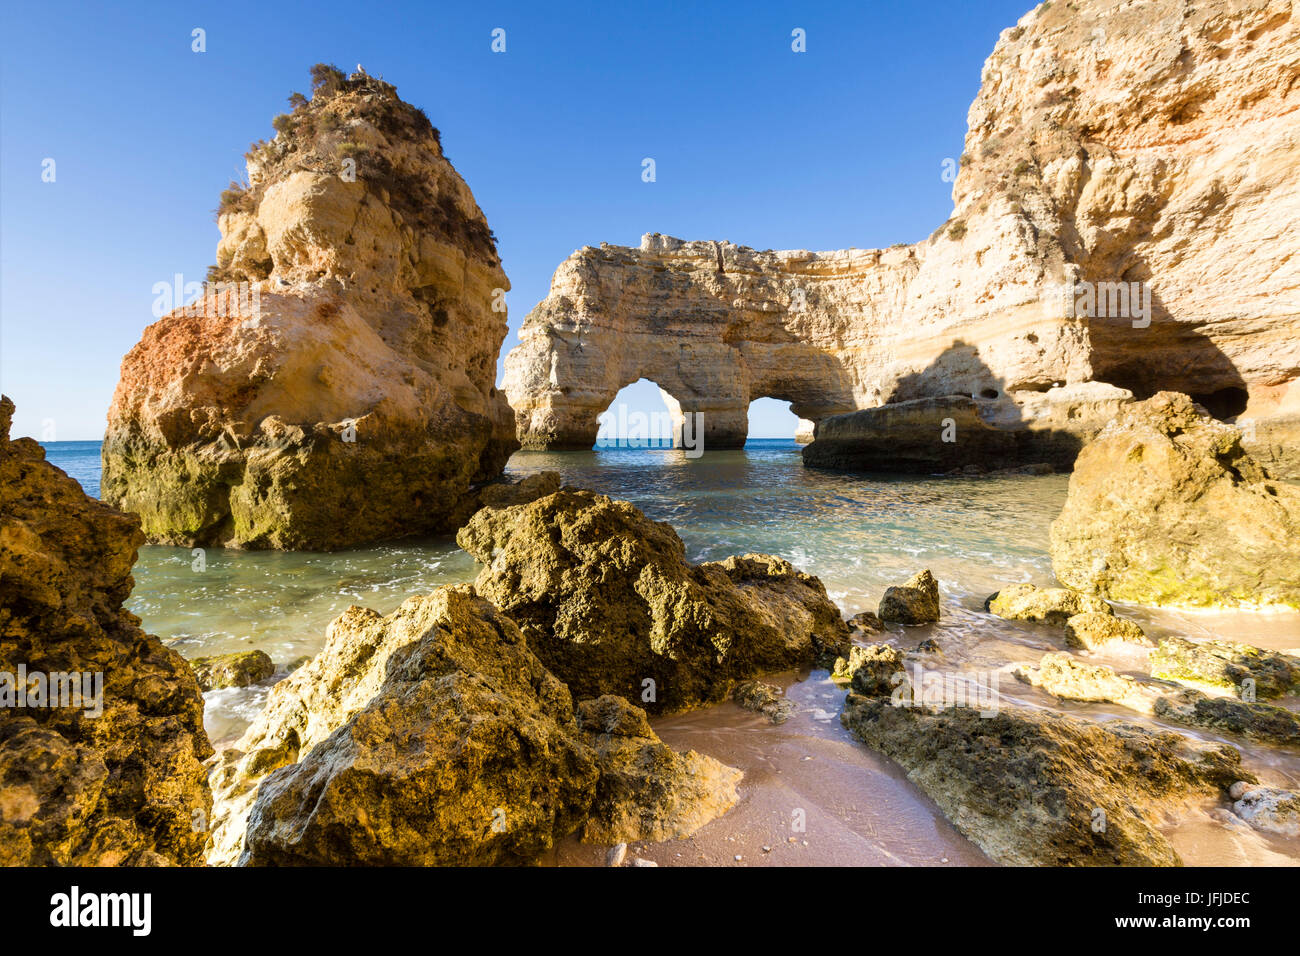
pixel 336 384
pixel 1124 213
pixel 101 728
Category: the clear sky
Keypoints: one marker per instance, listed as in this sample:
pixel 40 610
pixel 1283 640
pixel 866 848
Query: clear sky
pixel 842 145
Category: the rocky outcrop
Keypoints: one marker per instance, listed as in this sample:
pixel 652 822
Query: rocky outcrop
pixel 1068 678
pixel 1027 602
pixel 1226 715
pixel 608 601
pixel 1034 788
pixel 1166 508
pixel 1123 214
pixel 434 736
pixel 336 384
pixel 1094 629
pixel 101 726
pixel 914 602
pixel 1267 808
pixel 1249 672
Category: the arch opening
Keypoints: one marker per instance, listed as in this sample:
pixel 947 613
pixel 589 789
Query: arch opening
pixel 641 415
pixel 771 418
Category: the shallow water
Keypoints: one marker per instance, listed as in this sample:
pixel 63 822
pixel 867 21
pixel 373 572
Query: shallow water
pixel 858 534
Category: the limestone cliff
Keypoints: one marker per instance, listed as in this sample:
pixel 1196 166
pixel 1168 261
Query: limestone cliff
pixel 340 387
pixel 1113 148
pixel 101 726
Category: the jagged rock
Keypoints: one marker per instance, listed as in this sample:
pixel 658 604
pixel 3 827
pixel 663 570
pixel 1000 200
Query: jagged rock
pixel 340 389
pixel 1093 629
pixel 1268 808
pixel 505 493
pixel 928 646
pixel 1034 788
pixel 610 604
pixel 1165 508
pixel 766 699
pixel 434 736
pixel 1056 186
pixel 1227 664
pixel 1228 715
pixel 916 602
pixel 647 791
pixel 1026 602
pixel 115 778
pixel 232 670
pixel 871 669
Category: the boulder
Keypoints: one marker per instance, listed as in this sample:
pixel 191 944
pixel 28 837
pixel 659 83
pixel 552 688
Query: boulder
pixel 232 670
pixel 765 699
pixel 610 604
pixel 871 669
pixel 1250 672
pixel 1027 602
pixel 334 382
pixel 1093 629
pixel 1268 808
pixel 1035 788
pixel 113 775
pixel 916 602
pixel 1165 508
pixel 434 736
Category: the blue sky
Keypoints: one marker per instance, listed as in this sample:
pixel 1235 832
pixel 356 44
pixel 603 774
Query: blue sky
pixel 840 146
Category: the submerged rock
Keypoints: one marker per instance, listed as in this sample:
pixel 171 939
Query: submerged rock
pixel 1250 672
pixel 1033 788
pixel 1093 629
pixel 434 736
pixel 1027 602
pixel 1165 508
pixel 610 604
pixel 339 387
pixel 765 699
pixel 232 670
pixel 101 761
pixel 916 602
pixel 1227 715
pixel 1067 677
pixel 1268 808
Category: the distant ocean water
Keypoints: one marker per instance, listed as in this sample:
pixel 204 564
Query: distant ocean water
pixel 80 459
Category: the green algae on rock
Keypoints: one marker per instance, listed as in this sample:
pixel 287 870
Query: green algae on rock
pixel 1246 670
pixel 1165 508
pixel 117 780
pixel 610 604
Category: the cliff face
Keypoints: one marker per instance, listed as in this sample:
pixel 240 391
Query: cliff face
pixel 340 388
pixel 101 732
pixel 1145 145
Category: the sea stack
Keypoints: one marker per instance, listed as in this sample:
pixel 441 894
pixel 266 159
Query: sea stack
pixel 334 383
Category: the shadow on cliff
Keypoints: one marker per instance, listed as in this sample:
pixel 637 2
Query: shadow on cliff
pixel 953 415
pixel 1166 355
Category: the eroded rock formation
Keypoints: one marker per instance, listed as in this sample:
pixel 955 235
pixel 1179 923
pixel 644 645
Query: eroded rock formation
pixel 433 736
pixel 1166 508
pixel 111 775
pixel 1112 149
pixel 341 390
pixel 608 601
